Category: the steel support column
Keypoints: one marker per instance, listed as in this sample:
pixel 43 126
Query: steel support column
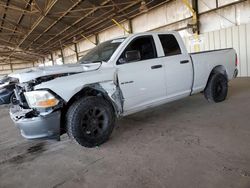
pixel 63 61
pixel 196 12
pixel 52 59
pixel 76 50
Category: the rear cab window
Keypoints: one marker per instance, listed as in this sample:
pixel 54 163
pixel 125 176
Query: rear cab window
pixel 169 44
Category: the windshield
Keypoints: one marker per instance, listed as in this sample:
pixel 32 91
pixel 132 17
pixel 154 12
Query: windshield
pixel 102 52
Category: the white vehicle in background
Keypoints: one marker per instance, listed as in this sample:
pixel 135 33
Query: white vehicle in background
pixel 116 78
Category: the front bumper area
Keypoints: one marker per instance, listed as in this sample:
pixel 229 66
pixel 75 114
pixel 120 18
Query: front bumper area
pixel 39 127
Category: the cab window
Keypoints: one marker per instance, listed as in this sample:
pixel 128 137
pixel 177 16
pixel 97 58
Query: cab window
pixel 170 45
pixel 141 48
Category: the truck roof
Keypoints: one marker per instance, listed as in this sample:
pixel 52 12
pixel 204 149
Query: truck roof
pixel 145 33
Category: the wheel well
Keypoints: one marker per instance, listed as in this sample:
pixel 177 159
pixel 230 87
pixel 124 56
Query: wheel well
pixel 87 91
pixel 219 69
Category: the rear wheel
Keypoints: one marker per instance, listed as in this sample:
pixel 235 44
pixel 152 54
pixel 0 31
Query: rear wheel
pixel 90 121
pixel 216 89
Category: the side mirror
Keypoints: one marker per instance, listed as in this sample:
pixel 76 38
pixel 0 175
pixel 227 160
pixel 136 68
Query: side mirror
pixel 133 55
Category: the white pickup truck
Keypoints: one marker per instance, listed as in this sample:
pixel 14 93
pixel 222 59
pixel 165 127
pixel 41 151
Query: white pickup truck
pixel 116 78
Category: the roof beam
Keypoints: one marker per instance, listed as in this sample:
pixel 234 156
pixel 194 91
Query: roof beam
pixel 8 49
pixel 20 19
pixel 38 21
pixel 95 21
pixel 11 43
pixel 13 24
pixel 21 55
pixel 54 23
pixel 9 29
pixel 71 35
pixel 13 7
pixel 16 57
pixel 4 14
pixel 72 25
pixel 97 27
pixel 99 7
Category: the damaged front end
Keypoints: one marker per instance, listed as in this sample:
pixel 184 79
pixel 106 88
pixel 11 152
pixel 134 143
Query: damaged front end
pixel 113 93
pixel 35 126
pixel 36 122
pixel 40 113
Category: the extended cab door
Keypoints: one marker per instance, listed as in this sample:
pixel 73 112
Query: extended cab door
pixel 141 74
pixel 178 66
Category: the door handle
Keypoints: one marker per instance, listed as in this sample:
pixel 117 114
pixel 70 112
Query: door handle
pixel 156 67
pixel 184 61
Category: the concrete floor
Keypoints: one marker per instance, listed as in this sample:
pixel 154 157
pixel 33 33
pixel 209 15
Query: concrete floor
pixel 189 143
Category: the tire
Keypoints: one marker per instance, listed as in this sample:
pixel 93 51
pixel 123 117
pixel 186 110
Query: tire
pixel 90 121
pixel 217 88
pixel 13 99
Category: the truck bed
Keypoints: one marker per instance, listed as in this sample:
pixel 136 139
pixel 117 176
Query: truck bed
pixel 204 62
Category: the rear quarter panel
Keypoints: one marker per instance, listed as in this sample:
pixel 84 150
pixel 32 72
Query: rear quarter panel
pixel 205 62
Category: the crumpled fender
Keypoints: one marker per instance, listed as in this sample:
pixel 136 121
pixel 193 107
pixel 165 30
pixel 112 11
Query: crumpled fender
pixel 103 80
pixel 112 92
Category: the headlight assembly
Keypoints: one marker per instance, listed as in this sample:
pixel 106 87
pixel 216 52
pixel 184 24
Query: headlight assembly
pixel 40 99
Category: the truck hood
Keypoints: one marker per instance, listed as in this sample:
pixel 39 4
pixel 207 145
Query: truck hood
pixel 27 75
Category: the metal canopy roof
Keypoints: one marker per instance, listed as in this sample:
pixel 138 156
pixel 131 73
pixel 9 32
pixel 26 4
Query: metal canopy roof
pixel 30 29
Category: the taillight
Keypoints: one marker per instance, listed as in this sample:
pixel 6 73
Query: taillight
pixel 236 60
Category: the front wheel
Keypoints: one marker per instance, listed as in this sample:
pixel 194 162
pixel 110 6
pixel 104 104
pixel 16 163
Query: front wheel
pixel 90 121
pixel 216 89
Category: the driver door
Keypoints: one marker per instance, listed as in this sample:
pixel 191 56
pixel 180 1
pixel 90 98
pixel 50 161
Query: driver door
pixel 142 77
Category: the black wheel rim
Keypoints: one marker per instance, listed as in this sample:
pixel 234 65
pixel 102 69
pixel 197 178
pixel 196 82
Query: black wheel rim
pixel 94 122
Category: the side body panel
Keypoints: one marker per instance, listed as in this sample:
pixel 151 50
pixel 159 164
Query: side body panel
pixel 144 88
pixel 178 70
pixel 139 82
pixel 179 77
